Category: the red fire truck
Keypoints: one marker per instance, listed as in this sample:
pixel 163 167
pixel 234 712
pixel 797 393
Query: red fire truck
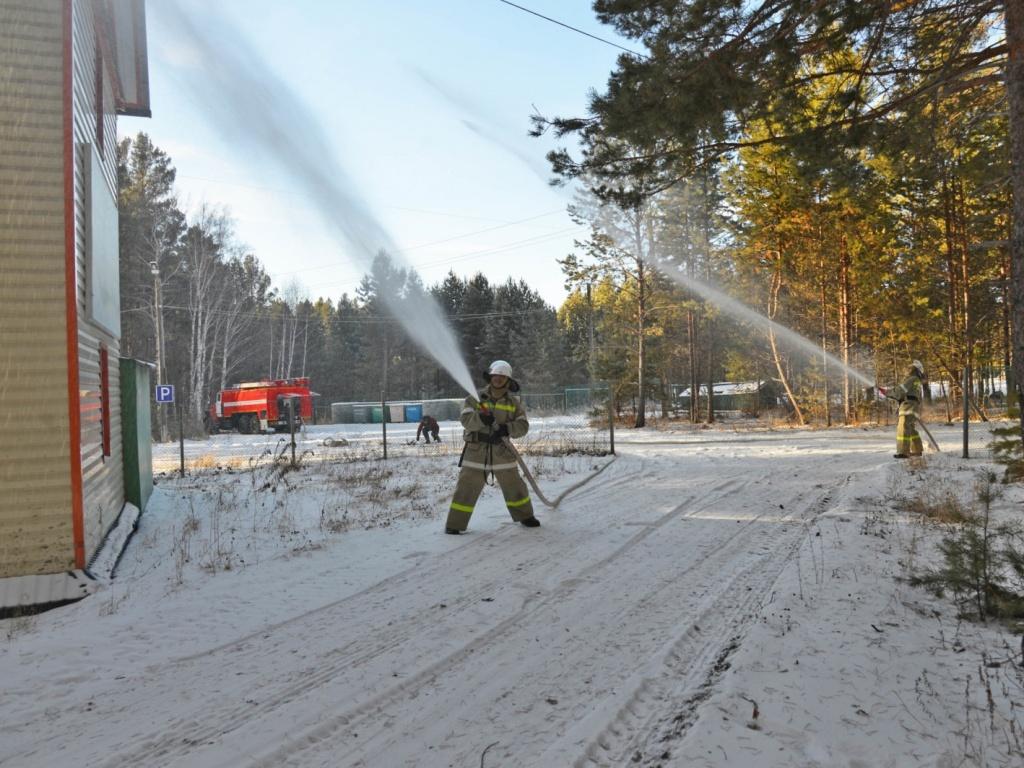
pixel 259 406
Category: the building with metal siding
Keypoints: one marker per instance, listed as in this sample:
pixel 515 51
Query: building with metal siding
pixel 94 131
pixel 61 474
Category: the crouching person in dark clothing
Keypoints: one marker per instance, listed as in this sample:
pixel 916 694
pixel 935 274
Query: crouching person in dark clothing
pixel 487 420
pixel 428 428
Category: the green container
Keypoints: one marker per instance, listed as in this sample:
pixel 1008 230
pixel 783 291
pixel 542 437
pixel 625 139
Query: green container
pixel 376 414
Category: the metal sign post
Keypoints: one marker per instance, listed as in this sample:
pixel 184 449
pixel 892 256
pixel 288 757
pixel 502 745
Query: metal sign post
pixel 164 394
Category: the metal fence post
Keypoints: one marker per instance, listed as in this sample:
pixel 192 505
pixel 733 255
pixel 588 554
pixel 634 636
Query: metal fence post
pixel 291 425
pixel 611 420
pixel 967 412
pixel 181 437
pixel 384 423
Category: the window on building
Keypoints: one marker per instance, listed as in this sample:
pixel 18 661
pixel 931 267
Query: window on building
pixel 105 399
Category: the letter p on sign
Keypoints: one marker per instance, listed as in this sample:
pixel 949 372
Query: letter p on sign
pixel 165 393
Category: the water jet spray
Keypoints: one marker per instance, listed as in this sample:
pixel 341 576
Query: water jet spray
pixel 259 114
pixel 741 311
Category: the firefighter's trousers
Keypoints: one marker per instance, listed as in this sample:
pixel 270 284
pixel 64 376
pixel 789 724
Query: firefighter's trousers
pixel 471 483
pixel 908 441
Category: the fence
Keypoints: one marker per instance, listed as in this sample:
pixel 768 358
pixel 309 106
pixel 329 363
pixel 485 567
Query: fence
pixel 560 423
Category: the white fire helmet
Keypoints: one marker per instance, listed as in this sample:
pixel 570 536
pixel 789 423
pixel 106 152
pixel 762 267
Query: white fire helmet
pixel 500 368
pixel 920 367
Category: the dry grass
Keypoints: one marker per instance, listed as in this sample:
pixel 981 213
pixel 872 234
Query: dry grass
pixel 206 461
pixel 938 505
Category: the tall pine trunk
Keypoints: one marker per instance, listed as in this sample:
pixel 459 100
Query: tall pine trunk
pixel 691 332
pixel 823 309
pixel 845 324
pixel 641 315
pixel 641 348
pixel 773 308
pixel 711 370
pixel 1015 97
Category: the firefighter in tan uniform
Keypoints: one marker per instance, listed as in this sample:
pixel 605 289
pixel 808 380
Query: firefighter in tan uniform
pixel 909 395
pixel 494 415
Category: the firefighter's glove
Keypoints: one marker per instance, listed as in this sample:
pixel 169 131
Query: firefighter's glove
pixel 487 418
pixel 501 431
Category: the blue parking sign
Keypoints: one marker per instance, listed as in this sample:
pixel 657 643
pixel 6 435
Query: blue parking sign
pixel 165 393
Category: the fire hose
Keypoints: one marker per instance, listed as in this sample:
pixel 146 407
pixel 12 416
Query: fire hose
pixel 533 483
pixel 529 475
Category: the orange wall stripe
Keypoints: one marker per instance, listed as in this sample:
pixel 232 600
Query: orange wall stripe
pixel 71 299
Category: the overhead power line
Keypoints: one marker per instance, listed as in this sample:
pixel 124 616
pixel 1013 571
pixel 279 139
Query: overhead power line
pixel 365 320
pixel 575 29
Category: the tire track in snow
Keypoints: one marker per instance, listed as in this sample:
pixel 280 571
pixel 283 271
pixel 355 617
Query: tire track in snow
pixel 650 722
pixel 335 736
pixel 168 746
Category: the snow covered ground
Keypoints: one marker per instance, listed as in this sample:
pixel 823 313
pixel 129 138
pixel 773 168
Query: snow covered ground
pixel 713 598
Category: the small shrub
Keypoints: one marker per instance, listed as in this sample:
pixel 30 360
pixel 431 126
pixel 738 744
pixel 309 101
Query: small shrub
pixel 1008 450
pixel 330 523
pixel 982 561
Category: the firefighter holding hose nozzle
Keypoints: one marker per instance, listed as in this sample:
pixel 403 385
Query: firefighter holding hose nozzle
pixel 909 395
pixel 488 419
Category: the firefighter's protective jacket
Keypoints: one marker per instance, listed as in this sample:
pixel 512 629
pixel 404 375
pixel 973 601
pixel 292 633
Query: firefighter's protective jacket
pixel 484 449
pixel 909 395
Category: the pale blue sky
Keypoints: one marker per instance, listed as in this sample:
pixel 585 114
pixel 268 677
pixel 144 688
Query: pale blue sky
pixel 394 84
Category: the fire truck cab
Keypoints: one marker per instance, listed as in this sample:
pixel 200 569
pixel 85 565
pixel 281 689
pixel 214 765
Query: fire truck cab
pixel 259 406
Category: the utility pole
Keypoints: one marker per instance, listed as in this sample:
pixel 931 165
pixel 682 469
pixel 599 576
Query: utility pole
pixel 824 331
pixel 158 323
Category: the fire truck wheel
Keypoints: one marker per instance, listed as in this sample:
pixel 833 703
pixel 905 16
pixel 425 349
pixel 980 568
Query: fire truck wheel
pixel 246 424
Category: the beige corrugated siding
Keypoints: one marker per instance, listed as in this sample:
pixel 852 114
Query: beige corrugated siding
pixel 35 488
pixel 102 477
